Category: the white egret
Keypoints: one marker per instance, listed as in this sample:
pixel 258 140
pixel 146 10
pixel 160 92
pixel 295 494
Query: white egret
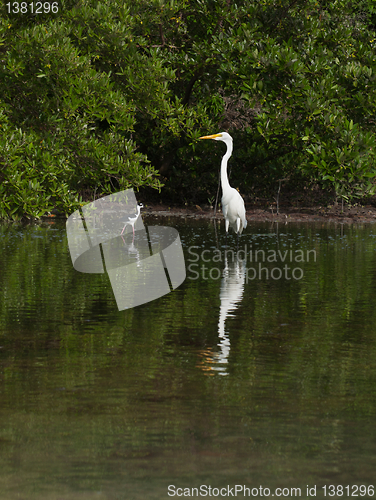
pixel 132 220
pixel 232 203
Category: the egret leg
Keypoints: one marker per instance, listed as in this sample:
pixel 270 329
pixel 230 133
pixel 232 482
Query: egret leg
pixel 226 226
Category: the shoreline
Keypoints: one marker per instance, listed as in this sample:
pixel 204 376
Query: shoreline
pixel 350 215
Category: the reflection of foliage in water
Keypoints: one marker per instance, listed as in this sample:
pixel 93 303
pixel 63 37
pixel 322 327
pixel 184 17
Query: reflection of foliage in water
pixel 81 380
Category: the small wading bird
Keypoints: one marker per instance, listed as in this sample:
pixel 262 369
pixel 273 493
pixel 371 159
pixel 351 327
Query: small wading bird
pixel 132 220
pixel 232 202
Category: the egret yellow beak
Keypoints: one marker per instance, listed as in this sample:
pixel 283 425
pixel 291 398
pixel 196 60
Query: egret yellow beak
pixel 210 136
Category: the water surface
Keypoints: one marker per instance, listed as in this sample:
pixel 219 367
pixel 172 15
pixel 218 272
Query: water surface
pixel 238 377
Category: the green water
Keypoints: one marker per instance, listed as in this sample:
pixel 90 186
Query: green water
pixel 232 379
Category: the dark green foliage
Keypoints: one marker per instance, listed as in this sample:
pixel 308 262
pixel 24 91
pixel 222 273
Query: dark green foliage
pixel 67 128
pixel 97 96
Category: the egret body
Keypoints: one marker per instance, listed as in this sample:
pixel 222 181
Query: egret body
pixel 232 203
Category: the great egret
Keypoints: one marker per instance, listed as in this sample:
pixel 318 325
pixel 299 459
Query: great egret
pixel 232 202
pixel 132 220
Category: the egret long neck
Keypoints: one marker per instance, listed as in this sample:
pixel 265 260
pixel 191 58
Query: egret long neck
pixel 224 178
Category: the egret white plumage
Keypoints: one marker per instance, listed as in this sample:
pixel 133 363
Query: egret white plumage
pixel 132 220
pixel 232 203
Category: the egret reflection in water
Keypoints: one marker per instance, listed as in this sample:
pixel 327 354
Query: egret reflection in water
pixel 231 294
